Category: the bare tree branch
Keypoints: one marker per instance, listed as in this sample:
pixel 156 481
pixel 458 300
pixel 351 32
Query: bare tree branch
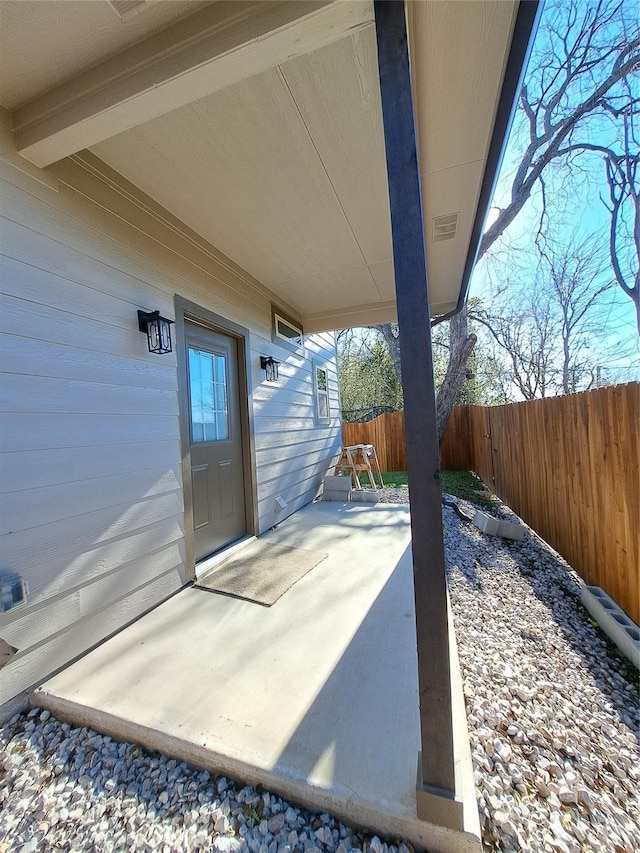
pixel 572 107
pixel 546 146
pixel 621 172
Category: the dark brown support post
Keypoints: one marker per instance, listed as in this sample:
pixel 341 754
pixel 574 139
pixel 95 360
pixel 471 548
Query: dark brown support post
pixel 436 776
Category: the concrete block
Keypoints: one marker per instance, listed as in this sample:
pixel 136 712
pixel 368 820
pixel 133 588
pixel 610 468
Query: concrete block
pixel 332 495
pixel 619 627
pixel 365 496
pixel 495 527
pixel 337 483
pixel 486 523
pixel 511 530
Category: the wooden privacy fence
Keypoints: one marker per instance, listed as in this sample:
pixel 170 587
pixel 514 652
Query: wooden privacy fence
pixel 386 432
pixel 569 466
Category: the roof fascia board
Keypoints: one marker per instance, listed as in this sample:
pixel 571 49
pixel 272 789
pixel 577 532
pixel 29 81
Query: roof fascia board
pixel 369 314
pixel 226 43
pixel 524 30
pixel 344 318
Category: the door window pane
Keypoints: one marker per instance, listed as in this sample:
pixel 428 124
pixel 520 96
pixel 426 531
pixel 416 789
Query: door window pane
pixel 208 392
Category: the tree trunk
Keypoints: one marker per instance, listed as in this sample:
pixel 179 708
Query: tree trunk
pixel 461 344
pixel 393 342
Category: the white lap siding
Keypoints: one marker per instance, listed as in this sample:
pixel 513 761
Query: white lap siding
pixel 90 468
pixel 294 451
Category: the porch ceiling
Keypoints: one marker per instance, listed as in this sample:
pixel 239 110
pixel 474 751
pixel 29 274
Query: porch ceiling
pixel 278 161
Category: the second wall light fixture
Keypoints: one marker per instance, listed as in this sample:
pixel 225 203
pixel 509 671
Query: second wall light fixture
pixel 270 367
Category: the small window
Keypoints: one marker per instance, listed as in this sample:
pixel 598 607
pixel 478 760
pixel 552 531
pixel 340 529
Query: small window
pixel 286 331
pixel 323 413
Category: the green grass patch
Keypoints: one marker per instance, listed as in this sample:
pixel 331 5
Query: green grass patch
pixel 461 484
pixel 465 485
pixel 365 483
pixel 395 479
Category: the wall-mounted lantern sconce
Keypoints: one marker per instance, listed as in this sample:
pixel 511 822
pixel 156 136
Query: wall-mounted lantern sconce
pixel 158 330
pixel 13 590
pixel 270 366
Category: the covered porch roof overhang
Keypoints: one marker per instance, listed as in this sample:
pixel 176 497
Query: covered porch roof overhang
pixel 340 153
pixel 259 126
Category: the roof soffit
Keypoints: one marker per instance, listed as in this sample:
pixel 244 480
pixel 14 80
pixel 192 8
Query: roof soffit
pixel 209 51
pixel 282 168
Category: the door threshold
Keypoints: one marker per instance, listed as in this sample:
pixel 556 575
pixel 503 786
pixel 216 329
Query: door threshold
pixel 216 560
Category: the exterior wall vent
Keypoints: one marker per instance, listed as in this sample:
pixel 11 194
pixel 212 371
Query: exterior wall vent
pixel 445 227
pixel 127 8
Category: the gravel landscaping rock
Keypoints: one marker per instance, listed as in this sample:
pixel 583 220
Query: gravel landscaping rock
pixel 392 495
pixel 553 709
pixel 64 788
pixel 553 713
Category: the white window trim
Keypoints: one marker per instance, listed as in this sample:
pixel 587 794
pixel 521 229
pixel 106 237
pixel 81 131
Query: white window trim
pixel 318 393
pixel 292 343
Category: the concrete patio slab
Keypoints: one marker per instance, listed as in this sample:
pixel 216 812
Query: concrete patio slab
pixel 315 697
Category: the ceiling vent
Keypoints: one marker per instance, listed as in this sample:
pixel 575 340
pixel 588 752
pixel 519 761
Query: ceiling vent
pixel 445 227
pixel 127 8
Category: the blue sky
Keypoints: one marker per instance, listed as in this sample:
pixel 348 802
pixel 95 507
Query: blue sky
pixel 582 213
